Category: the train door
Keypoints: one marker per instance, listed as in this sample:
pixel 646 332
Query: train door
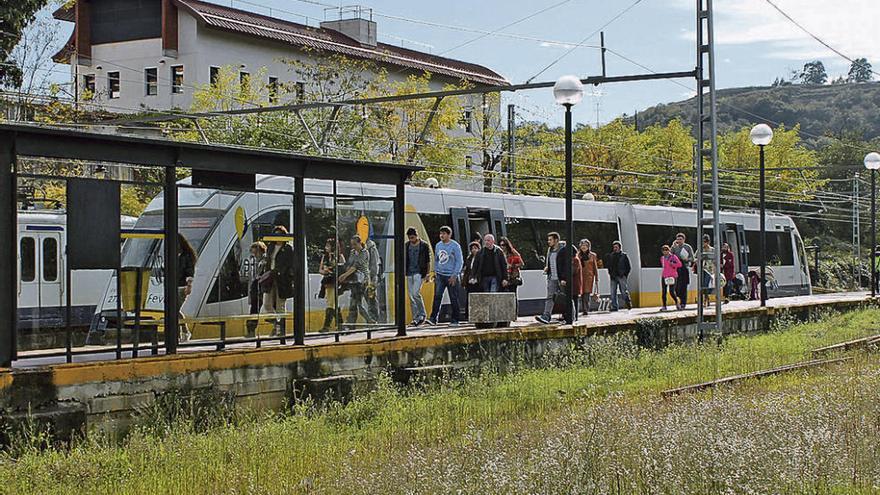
pixel 735 235
pixel 28 283
pixel 461 227
pixel 470 224
pixel 50 275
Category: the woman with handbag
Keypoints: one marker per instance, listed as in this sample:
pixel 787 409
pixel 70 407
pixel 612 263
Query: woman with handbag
pixel 670 264
pixel 589 274
pixel 514 265
pixel 330 263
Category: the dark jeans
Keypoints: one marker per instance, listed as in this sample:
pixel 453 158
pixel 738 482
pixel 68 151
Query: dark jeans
pixel 681 285
pixel 358 304
pixel 441 283
pixel 491 284
pixel 671 289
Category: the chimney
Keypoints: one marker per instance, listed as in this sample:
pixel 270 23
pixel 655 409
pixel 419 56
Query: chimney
pixel 354 21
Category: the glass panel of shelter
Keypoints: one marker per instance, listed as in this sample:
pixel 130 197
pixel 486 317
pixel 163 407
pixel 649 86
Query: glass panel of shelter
pixel 244 282
pixel 365 226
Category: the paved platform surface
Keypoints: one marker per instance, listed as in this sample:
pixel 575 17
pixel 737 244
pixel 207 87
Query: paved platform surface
pixel 100 353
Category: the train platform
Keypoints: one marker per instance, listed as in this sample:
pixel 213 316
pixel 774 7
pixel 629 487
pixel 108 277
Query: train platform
pixel 594 322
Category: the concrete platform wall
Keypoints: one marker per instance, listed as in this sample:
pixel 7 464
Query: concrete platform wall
pixel 105 395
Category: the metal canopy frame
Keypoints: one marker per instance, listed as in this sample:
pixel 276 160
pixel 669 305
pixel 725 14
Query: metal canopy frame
pixel 51 142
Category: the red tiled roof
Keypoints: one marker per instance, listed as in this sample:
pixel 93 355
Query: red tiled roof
pixel 248 23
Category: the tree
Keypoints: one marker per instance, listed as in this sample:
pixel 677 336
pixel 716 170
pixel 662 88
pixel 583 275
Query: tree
pixel 860 71
pixel 813 74
pixel 792 177
pixel 14 18
pixel 403 131
pixel 33 57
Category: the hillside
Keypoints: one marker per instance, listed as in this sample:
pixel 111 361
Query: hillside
pixel 820 110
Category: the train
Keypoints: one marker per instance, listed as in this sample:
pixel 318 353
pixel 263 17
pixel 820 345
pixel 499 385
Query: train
pixel 42 302
pixel 221 225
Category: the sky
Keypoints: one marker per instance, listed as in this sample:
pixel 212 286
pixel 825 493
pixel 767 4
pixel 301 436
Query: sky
pixel 755 44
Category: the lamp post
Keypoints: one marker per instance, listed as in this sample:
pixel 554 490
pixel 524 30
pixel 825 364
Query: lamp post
pixel 568 92
pixel 872 163
pixel 761 135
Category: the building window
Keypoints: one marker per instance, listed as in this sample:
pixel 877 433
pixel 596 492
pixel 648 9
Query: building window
pixel 467 118
pixel 177 79
pixel 244 79
pixel 151 81
pixel 273 89
pixel 89 84
pixel 300 92
pixel 215 75
pixel 113 84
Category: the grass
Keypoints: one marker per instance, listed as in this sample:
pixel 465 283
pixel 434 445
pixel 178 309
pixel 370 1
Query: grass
pixel 590 422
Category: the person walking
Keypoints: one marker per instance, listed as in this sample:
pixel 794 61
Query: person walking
pixel 514 264
pixel 728 269
pixel 186 272
pixel 589 274
pixel 670 264
pixel 357 276
pixel 418 261
pixel 448 263
pixel 469 288
pixel 371 290
pixel 259 266
pixel 685 253
pixel 490 267
pixel 618 265
pixel 331 260
pixel 577 281
pixel 280 256
pixel 707 283
pixel 557 268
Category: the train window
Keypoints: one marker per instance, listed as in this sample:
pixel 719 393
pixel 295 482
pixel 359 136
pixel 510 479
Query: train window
pixel 50 259
pixel 600 234
pixel 779 248
pixel 432 223
pixel 651 239
pixel 28 252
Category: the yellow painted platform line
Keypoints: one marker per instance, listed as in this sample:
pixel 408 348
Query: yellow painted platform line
pixel 136 235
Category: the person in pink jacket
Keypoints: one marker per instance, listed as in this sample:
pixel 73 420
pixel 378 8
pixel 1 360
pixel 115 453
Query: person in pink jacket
pixel 670 264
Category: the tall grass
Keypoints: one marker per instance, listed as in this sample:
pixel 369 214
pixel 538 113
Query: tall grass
pixel 590 418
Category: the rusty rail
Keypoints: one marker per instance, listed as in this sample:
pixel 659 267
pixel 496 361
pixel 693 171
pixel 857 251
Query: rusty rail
pixel 755 374
pixel 845 346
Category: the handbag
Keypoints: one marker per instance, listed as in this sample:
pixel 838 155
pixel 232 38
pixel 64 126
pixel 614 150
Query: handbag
pixel 669 280
pixel 267 281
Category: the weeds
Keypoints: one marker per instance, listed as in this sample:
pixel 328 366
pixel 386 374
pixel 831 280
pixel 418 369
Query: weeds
pixel 589 422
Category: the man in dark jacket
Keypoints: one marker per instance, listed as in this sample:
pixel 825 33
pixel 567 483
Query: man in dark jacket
pixel 490 267
pixel 557 267
pixel 418 260
pixel 618 265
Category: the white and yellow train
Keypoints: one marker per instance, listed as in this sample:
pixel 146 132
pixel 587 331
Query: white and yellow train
pixel 222 225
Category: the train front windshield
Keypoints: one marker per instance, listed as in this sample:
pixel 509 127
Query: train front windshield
pixel 193 223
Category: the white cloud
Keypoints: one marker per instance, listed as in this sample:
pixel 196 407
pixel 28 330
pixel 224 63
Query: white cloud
pixel 551 44
pixel 851 26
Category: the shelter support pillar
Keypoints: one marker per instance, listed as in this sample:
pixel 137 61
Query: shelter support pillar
pixel 172 321
pixel 400 260
pixel 8 235
pixel 300 276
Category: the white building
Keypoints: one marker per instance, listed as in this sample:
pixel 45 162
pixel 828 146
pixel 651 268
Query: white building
pixel 136 55
pixel 140 55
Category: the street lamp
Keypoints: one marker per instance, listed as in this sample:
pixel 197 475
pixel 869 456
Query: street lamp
pixel 761 135
pixel 872 163
pixel 568 92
